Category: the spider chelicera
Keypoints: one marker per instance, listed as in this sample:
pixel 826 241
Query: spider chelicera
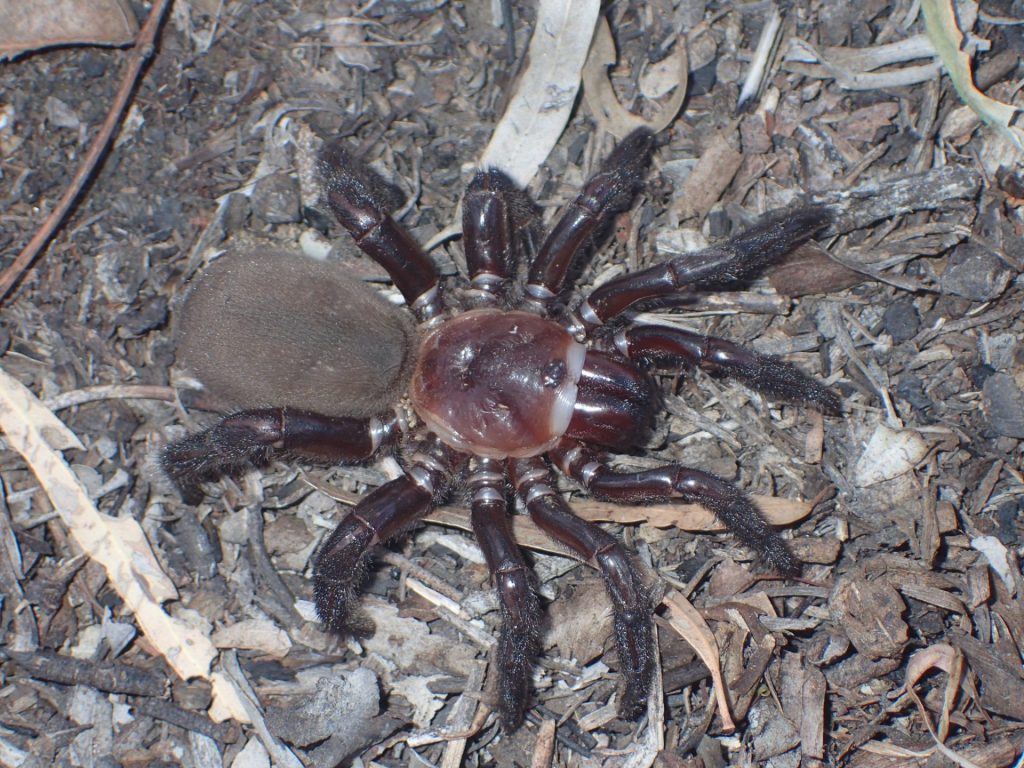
pixel 493 384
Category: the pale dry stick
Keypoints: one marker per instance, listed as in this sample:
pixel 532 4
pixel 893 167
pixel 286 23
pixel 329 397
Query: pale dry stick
pixel 929 335
pixel 480 636
pixel 279 753
pixel 767 46
pixel 544 747
pixel 111 392
pixel 425 576
pixel 434 597
pixel 141 53
pixel 462 717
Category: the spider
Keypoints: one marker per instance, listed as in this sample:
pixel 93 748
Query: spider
pixel 496 383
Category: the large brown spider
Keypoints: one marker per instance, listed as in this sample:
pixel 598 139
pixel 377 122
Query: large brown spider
pixel 493 385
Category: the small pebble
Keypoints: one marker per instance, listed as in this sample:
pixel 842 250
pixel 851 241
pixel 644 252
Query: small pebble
pixel 911 389
pixel 1004 405
pixel 974 273
pixel 237 213
pixel 143 318
pixel 60 115
pixel 92 65
pixel 901 320
pixel 275 199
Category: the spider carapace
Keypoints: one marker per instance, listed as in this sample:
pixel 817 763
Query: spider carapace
pixel 491 384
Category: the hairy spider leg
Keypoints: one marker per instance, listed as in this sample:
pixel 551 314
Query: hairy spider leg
pixel 520 613
pixel 728 263
pixel 253 436
pixel 378 517
pixel 630 598
pixel 606 193
pixel 672 348
pixel 354 197
pixel 675 482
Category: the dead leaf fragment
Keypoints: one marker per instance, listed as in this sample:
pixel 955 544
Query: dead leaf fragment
pixel 870 614
pixel 809 270
pixel 685 517
pixel 544 97
pixel 668 76
pixel 940 20
pixel 118 544
pixel 951 661
pixel 254 635
pixel 687 621
pixel 714 172
pixel 28 26
pixel 889 454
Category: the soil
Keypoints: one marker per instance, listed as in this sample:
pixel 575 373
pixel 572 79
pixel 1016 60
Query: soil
pixel 901 643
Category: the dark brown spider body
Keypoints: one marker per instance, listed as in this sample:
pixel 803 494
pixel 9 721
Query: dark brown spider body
pixel 497 384
pixel 500 384
pixel 498 395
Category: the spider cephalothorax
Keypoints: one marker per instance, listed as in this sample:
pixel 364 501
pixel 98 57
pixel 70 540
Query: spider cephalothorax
pixel 502 382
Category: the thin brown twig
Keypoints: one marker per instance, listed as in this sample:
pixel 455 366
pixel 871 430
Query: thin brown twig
pixel 140 54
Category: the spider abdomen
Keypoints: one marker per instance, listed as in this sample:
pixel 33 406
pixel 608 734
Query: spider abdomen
pixel 498 384
pixel 266 328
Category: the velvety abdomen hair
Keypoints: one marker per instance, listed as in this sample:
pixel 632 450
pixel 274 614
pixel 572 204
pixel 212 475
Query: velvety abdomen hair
pixel 315 339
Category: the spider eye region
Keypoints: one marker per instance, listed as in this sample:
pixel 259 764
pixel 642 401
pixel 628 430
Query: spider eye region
pixel 497 384
pixel 554 373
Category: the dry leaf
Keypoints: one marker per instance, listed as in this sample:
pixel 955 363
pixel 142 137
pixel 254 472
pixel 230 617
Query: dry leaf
pixel 814 441
pixel 118 544
pixel 604 105
pixel 889 454
pixel 941 23
pixel 686 517
pixel 687 621
pixel 542 103
pixel 29 26
pixel 951 661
